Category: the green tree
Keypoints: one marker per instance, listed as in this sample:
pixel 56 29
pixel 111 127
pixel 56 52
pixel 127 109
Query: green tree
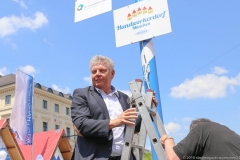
pixel 147 156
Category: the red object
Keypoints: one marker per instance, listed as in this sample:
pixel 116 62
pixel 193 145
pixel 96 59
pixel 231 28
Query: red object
pixel 45 143
pixel 2 123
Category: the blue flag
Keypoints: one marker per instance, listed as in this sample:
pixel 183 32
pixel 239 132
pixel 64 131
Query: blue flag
pixel 21 120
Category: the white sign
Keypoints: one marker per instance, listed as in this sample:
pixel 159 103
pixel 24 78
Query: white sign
pixel 89 8
pixel 141 21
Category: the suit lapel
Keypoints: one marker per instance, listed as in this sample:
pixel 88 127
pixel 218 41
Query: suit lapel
pixel 100 101
pixel 122 102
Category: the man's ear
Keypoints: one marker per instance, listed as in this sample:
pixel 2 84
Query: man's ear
pixel 113 73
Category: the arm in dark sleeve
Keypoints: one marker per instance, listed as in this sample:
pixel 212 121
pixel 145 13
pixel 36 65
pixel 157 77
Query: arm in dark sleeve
pixel 189 146
pixel 82 118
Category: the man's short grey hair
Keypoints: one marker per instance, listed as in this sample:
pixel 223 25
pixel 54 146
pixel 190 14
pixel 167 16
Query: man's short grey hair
pixel 198 121
pixel 99 59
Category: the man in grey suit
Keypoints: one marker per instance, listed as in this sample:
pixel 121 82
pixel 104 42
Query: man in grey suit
pixel 99 115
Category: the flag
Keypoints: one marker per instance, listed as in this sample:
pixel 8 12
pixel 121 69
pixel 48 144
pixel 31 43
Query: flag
pixel 21 120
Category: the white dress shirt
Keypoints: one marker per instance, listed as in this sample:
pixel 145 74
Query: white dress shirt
pixel 114 109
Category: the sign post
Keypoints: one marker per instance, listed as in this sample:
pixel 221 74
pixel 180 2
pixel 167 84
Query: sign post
pixel 140 22
pixel 150 76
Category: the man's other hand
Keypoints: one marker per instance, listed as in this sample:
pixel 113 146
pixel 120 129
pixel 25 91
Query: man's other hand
pixel 155 99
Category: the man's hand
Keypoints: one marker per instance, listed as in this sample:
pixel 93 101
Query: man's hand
pixel 168 143
pixel 164 138
pixel 155 100
pixel 76 130
pixel 126 117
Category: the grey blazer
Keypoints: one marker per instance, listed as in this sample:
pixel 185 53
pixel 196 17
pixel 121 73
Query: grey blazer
pixel 90 116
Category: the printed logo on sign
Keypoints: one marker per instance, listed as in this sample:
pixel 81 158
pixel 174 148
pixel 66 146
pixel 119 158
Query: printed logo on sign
pixel 80 7
pixel 139 11
pixel 143 22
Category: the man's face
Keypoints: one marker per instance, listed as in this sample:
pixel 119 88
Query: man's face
pixel 102 76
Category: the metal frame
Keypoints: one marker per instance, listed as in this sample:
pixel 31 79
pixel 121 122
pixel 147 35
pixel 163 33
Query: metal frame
pixel 149 114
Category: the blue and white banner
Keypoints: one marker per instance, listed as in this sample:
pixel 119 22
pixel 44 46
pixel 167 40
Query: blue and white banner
pixel 21 120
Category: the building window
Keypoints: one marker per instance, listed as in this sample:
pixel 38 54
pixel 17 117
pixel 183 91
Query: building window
pixel 45 126
pixel 44 104
pixel 67 111
pixel 60 94
pixel 68 132
pixel 38 86
pixel 50 90
pixel 56 108
pixel 8 99
pixel 57 127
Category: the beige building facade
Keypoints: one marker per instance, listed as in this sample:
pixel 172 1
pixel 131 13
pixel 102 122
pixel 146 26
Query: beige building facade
pixel 51 109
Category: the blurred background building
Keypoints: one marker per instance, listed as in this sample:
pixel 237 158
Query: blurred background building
pixel 51 108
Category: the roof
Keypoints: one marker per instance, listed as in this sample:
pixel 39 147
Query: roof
pixel 7 80
pixel 11 79
pixel 46 143
pixel 2 123
pixel 9 140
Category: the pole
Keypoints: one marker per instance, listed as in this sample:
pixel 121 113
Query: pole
pixel 32 153
pixel 150 74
